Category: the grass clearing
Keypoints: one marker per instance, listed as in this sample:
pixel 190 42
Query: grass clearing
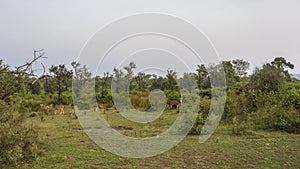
pixel 65 145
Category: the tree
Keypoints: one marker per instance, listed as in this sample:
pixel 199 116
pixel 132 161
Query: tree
pixel 122 80
pixel 62 77
pixel 118 80
pixel 171 83
pixel 49 84
pixel 98 83
pixel 202 78
pixel 158 83
pixel 8 82
pixel 272 76
pixel 106 80
pixel 81 73
pixel 188 81
pixel 33 86
pixel 83 87
pixel 129 69
pixel 16 81
pixel 103 85
pixel 229 72
pixel 281 64
pixel 18 142
pixel 240 66
pixel 267 79
pixel 141 81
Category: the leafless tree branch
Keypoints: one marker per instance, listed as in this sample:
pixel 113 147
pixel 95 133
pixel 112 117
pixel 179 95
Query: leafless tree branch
pixel 37 54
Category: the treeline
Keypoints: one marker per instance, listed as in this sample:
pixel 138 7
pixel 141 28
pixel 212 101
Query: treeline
pixel 267 99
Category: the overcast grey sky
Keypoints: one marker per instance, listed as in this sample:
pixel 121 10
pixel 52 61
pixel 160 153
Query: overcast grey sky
pixel 256 30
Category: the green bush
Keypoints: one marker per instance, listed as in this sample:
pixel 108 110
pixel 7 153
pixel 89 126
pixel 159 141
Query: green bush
pixel 288 121
pixel 18 142
pixel 237 113
pixel 31 105
pixel 204 107
pixel 140 102
pixel 172 95
pixel 106 99
pixel 66 98
pixel 205 93
pixel 293 99
pixel 197 127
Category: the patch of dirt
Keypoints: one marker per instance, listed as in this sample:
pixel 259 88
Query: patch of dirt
pixel 107 130
pixel 122 128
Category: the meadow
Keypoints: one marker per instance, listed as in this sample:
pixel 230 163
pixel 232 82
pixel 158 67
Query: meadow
pixel 66 145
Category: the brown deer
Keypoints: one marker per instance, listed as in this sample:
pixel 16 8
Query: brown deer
pixel 74 108
pixel 60 109
pixel 99 106
pixel 174 104
pixel 45 108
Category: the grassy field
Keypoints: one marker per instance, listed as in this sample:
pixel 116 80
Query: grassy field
pixel 65 145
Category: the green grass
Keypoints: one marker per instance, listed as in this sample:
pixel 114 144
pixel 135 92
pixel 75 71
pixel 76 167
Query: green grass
pixel 65 145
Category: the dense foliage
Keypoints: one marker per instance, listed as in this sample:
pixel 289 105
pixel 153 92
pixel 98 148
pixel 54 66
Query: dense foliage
pixel 18 142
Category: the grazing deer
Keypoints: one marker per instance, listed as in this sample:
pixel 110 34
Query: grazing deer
pixel 99 106
pixel 174 104
pixel 45 108
pixel 60 109
pixel 74 108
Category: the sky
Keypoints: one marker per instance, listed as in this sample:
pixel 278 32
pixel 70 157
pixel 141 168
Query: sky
pixel 256 30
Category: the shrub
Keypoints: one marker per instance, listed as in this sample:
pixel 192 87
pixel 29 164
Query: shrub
pixel 237 111
pixel 31 105
pixel 140 102
pixel 18 143
pixel 275 114
pixel 288 121
pixel 172 95
pixel 66 98
pixel 292 99
pixel 205 93
pixel 106 99
pixel 197 127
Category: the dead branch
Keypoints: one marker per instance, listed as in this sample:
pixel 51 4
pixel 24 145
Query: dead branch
pixel 37 54
pixel 45 74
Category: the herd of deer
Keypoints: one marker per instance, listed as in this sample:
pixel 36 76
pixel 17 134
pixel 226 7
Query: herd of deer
pixel 60 109
pixel 56 109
